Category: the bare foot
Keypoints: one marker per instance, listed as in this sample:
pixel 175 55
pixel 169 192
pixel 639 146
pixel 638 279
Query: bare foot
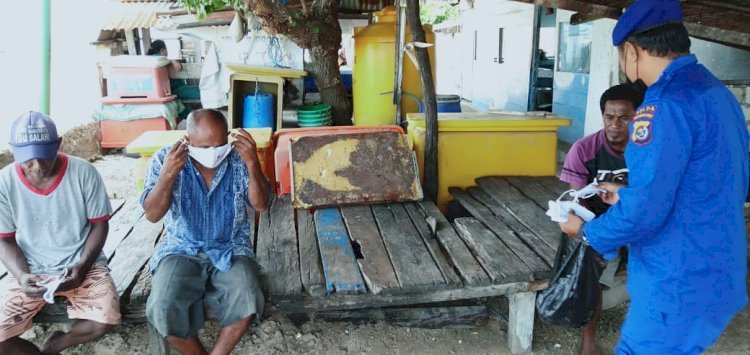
pixel 49 345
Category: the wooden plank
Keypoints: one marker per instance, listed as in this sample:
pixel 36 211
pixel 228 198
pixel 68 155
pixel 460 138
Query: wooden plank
pixel 500 262
pixel 342 302
pixel 142 287
pixel 130 38
pixel 457 252
pixel 553 184
pixel 534 190
pixel 415 269
pixel 531 239
pixel 339 263
pixel 526 211
pixel 482 213
pixel 116 204
pixel 121 224
pixel 375 265
pixel 311 268
pixel 277 249
pixel 420 220
pixel 353 169
pixel 133 253
pixel 521 322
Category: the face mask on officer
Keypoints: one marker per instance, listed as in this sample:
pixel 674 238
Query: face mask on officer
pixel 637 84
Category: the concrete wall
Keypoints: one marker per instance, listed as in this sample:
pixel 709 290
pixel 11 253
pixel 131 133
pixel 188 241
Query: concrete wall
pixel 603 75
pixel 448 66
pixel 488 84
pixel 570 93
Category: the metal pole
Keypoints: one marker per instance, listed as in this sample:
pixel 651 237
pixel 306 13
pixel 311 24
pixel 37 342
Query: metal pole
pixel 400 39
pixel 46 58
pixel 534 72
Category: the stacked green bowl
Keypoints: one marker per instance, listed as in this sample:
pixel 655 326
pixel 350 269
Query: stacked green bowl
pixel 314 116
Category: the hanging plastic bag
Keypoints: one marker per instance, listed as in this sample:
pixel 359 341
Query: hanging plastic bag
pixel 573 292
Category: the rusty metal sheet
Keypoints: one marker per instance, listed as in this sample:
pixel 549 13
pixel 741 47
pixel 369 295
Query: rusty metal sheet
pixel 358 168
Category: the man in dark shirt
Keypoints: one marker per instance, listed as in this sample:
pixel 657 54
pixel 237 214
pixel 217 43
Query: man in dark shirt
pixel 600 157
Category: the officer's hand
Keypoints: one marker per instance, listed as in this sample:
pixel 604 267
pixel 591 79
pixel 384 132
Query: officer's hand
pixel 611 196
pixel 572 226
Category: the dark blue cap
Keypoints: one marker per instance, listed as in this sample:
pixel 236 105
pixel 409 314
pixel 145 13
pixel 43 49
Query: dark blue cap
pixel 644 15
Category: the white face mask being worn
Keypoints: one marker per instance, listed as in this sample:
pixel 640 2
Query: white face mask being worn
pixel 210 157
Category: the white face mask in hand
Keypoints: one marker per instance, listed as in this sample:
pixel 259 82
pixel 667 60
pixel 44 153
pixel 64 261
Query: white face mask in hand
pixel 210 157
pixel 52 285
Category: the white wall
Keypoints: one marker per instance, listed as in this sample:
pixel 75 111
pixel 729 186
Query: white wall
pixel 604 72
pixel 496 86
pixel 448 66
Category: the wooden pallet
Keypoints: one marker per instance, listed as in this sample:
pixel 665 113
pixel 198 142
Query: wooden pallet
pixel 348 259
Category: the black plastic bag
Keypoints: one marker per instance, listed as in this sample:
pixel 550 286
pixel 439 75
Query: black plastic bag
pixel 573 292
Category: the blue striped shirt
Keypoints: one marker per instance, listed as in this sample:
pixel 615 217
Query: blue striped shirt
pixel 217 221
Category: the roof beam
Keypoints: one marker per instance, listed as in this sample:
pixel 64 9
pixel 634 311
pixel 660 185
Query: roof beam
pixel 733 38
pixel 725 5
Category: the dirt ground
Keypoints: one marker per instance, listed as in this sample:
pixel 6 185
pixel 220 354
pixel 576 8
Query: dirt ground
pixel 278 335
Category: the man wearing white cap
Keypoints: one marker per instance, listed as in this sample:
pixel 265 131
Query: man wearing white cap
pixel 54 214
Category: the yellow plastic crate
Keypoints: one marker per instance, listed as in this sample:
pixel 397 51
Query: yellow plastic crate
pixel 472 145
pixel 150 142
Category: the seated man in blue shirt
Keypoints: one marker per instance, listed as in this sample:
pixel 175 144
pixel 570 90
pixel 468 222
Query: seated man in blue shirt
pixel 202 187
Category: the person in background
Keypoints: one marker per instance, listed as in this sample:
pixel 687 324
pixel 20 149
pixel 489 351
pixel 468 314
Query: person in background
pixel 54 214
pixel 158 47
pixel 601 157
pixel 205 188
pixel 682 213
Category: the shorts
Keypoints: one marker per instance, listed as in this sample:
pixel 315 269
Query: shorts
pixel 652 332
pixel 184 285
pixel 96 300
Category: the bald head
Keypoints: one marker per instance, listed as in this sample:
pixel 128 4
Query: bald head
pixel 207 128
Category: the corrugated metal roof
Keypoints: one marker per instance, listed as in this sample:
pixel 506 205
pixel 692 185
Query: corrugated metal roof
pixel 130 14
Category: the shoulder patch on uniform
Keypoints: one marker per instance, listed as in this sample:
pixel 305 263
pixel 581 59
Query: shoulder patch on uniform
pixel 642 133
pixel 648 109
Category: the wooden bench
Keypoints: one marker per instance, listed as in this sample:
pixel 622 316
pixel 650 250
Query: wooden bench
pixel 129 247
pixel 363 258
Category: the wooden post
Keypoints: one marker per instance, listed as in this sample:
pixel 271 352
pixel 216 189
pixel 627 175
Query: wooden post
pixel 130 38
pixel 428 97
pixel 145 39
pixel 521 322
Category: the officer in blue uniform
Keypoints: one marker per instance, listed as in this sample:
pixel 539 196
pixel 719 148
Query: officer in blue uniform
pixel 681 215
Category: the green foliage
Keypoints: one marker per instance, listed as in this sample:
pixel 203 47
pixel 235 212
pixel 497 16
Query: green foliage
pixel 433 13
pixel 204 8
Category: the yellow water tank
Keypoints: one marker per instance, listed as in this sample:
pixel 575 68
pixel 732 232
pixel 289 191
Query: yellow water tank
pixel 374 67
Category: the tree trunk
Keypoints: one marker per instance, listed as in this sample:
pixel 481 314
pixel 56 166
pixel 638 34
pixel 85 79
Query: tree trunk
pixel 428 98
pixel 319 31
pixel 325 70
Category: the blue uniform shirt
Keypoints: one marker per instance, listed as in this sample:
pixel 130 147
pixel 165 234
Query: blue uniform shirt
pixel 217 221
pixel 682 213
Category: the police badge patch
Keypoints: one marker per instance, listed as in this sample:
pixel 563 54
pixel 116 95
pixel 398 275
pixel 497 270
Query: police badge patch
pixel 641 132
